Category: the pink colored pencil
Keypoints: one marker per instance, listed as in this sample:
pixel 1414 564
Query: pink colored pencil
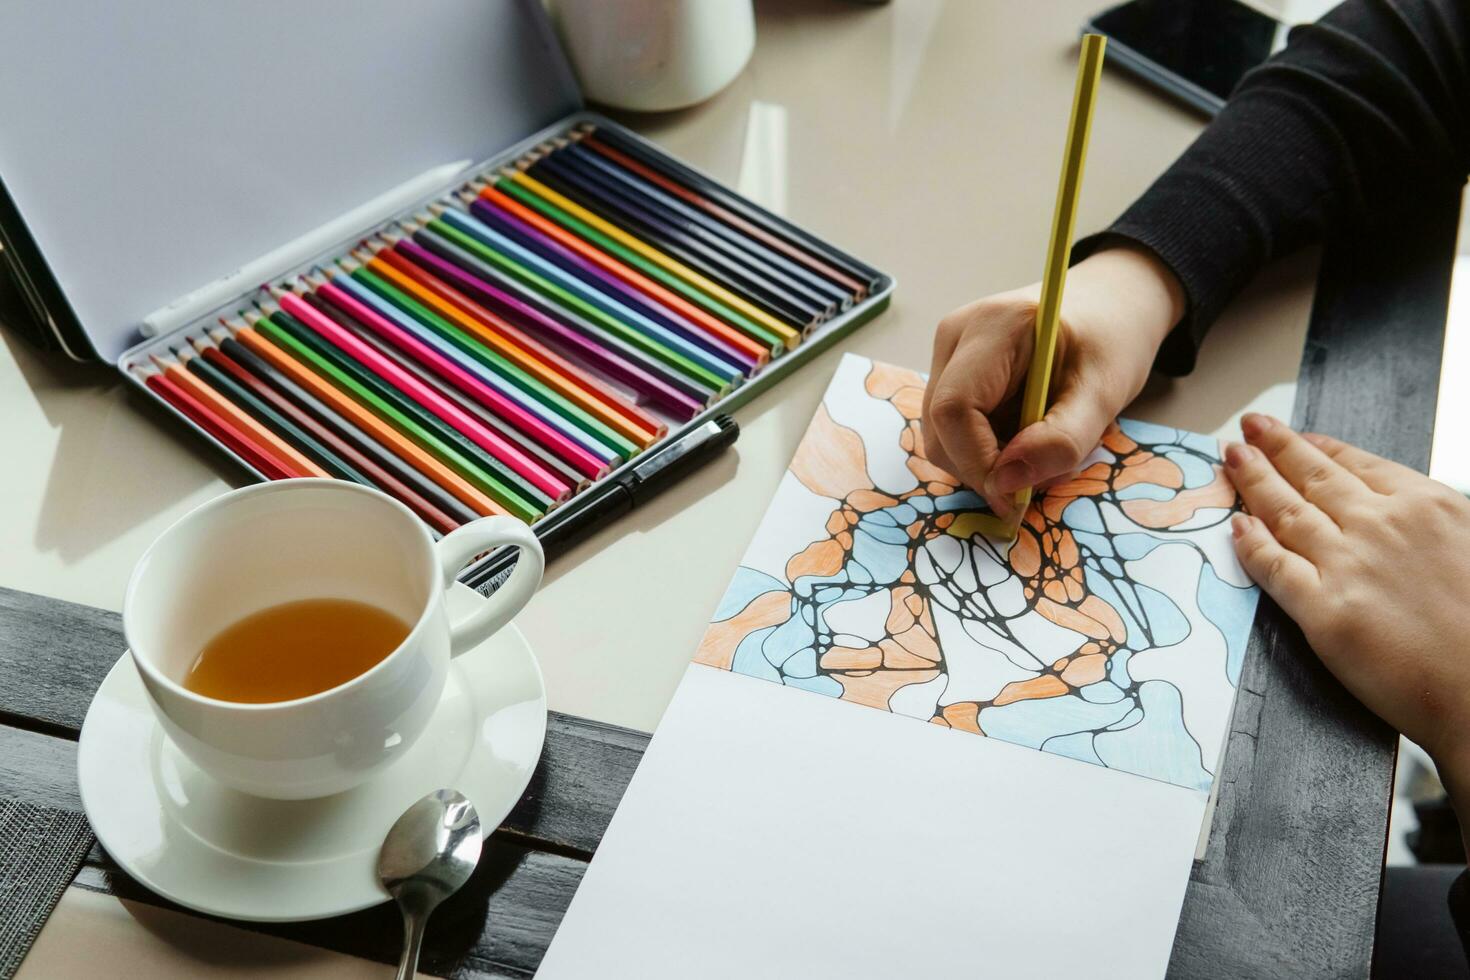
pixel 576 455
pixel 543 479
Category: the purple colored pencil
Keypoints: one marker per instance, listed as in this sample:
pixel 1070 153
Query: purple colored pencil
pixel 537 240
pixel 655 389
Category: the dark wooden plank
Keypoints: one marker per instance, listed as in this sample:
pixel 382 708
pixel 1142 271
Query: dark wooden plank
pixel 1290 882
pixel 498 926
pixel 54 654
pixel 40 769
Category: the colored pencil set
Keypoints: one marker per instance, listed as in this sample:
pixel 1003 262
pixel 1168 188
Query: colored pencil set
pixel 516 342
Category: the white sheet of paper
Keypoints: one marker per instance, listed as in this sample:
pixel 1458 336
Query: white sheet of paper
pixel 906 747
pixel 775 833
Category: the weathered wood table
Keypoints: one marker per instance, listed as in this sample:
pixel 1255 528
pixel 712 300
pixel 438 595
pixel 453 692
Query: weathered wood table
pixel 1289 884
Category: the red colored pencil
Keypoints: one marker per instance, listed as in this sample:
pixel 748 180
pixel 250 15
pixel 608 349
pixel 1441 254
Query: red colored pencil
pixel 381 478
pixel 215 424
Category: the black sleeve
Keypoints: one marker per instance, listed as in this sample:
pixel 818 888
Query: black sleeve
pixel 1360 113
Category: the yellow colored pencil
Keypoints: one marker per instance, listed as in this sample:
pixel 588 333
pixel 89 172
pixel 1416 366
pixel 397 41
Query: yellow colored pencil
pixel 1054 277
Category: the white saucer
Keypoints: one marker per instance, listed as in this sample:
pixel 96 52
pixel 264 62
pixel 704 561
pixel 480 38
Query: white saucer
pixel 217 850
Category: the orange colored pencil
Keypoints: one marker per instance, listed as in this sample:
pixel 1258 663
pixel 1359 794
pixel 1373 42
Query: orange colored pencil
pixel 406 449
pixel 286 455
pixel 487 327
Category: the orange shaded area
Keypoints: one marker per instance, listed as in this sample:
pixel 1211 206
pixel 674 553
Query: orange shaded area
pixel 851 658
pixel 1072 619
pixel 909 401
pixel 866 501
pixel 874 689
pixel 900 616
pixel 1183 506
pixel 884 380
pixel 1034 689
pixel 1102 612
pixel 822 558
pixel 1086 670
pixel 1149 469
pixel 965 716
pixel 717 649
pixel 919 644
pixel 1025 554
pixel 1114 441
pixel 831 461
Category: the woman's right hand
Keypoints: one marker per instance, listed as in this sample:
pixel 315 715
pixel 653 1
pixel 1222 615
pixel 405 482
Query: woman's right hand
pixel 1118 306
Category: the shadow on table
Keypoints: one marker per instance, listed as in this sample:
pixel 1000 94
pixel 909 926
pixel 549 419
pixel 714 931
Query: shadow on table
pixel 97 488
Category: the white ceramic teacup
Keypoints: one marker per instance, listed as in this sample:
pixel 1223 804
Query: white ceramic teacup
pixel 305 539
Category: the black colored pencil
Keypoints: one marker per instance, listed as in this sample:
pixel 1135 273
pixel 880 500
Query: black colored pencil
pixel 567 178
pixel 347 431
pixel 267 416
pixel 735 203
pixel 718 234
pixel 369 379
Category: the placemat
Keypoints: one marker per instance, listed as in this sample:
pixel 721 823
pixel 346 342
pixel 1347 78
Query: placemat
pixel 41 848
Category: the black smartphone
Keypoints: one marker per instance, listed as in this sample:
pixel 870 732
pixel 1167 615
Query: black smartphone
pixel 1196 50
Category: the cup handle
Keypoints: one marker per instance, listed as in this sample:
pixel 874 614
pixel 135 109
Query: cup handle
pixel 458 547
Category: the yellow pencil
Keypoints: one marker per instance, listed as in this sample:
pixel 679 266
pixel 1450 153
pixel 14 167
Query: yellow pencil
pixel 1048 313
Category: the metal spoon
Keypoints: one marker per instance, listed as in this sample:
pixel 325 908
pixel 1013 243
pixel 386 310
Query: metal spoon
pixel 428 854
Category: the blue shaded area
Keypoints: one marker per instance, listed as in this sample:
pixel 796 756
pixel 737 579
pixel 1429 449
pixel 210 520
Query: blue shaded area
pixel 1166 622
pixel 1147 433
pixel 1135 544
pixel 904 514
pixel 803 663
pixel 1133 717
pixel 882 563
pixel 749 659
pixel 1208 445
pixel 923 505
pixel 1231 609
pixel 1102 692
pixel 1112 567
pixel 961 500
pixel 1159 746
pixel 1097 544
pixel 1197 472
pixel 1082 515
pixel 786 639
pixel 829 594
pixel 1032 722
pixel 882 530
pixel 748 584
pixel 1145 491
pixel 1118 668
pixel 1077 746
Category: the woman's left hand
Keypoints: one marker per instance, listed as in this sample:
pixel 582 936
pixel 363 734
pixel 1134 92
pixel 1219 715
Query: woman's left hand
pixel 1372 559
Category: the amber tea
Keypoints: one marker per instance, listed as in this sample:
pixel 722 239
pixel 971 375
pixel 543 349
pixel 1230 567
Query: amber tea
pixel 294 650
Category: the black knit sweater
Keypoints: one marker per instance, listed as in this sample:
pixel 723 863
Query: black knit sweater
pixel 1360 113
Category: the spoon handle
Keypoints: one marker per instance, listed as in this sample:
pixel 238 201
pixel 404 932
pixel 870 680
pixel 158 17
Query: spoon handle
pixel 413 938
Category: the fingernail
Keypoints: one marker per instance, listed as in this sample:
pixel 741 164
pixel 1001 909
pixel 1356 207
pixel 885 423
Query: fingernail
pixel 1010 477
pixel 1236 455
pixel 1239 524
pixel 1253 424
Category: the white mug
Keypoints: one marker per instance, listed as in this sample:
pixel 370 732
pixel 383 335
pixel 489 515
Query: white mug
pixel 310 539
pixel 655 55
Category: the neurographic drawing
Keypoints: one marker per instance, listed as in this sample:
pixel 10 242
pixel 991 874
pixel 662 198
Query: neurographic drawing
pixel 1111 631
